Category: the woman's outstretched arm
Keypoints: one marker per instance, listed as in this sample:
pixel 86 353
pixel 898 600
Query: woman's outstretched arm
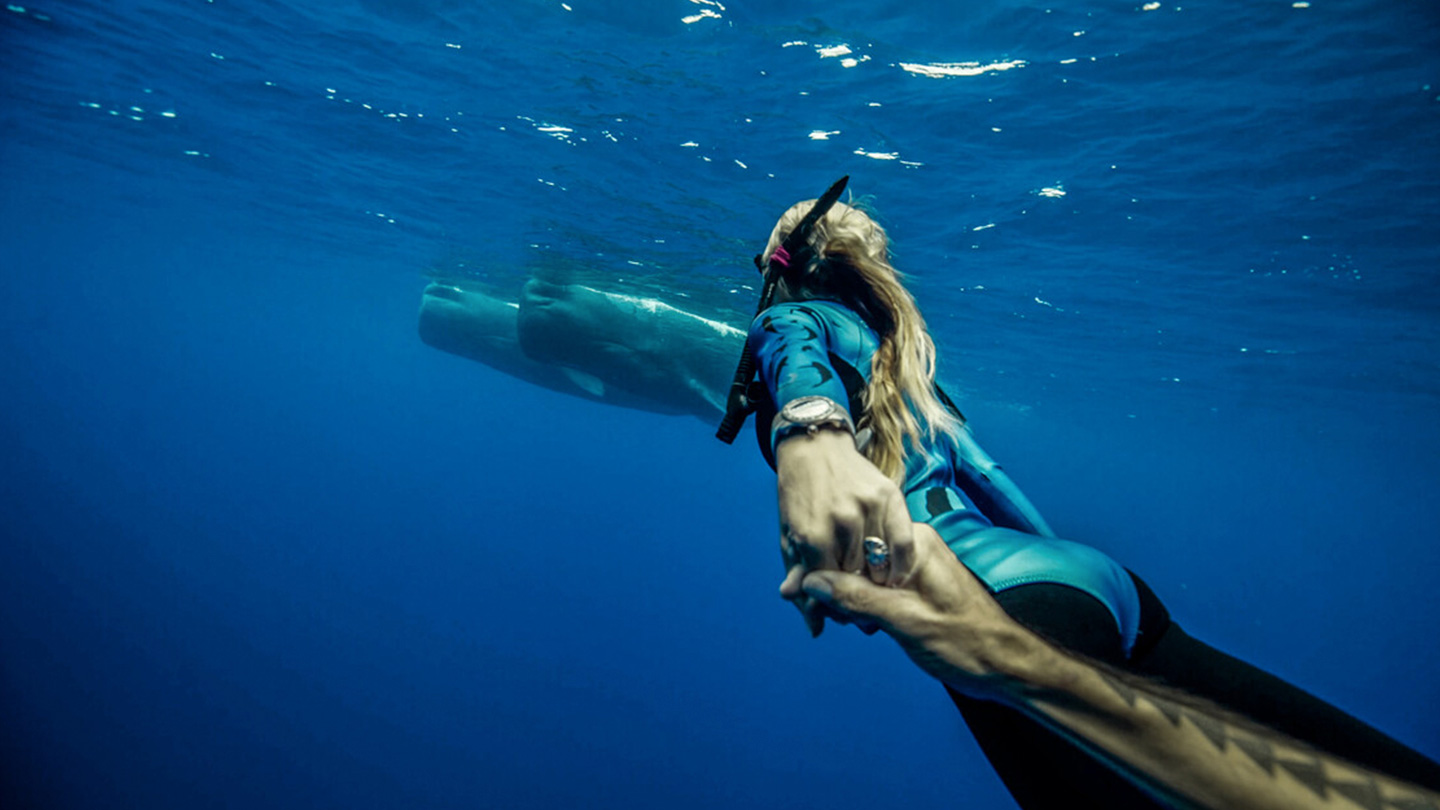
pixel 830 496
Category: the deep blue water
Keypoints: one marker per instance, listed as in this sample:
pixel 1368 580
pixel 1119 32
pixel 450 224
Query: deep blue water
pixel 264 548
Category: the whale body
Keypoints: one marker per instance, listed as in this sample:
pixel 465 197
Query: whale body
pixel 627 350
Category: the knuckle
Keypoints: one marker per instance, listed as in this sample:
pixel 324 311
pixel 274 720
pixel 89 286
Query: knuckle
pixel 848 514
pixel 800 536
pixel 853 598
pixel 880 487
pixel 875 493
pixel 861 603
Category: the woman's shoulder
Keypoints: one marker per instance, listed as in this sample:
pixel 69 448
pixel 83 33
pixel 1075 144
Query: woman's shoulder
pixel 821 311
pixel 831 323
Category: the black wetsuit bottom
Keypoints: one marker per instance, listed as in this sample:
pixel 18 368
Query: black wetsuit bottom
pixel 1043 770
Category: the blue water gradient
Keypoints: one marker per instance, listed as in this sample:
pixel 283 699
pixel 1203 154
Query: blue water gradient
pixel 263 548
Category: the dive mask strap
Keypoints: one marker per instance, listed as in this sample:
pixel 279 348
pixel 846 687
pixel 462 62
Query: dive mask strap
pixel 742 400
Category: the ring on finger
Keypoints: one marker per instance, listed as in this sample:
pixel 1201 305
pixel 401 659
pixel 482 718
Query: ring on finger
pixel 877 552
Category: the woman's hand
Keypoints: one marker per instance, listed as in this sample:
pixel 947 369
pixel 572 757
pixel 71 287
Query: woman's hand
pixel 831 499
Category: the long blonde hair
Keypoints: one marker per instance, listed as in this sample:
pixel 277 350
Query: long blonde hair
pixel 902 371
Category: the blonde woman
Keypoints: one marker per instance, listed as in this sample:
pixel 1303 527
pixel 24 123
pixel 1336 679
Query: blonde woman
pixel 869 458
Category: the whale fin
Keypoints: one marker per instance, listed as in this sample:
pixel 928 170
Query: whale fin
pixel 709 394
pixel 588 383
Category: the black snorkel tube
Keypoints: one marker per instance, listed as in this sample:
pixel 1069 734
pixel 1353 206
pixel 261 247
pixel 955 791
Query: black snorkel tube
pixel 793 256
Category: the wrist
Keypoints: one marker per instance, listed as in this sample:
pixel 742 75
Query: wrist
pixel 810 416
pixel 1023 663
pixel 807 445
pixel 1009 663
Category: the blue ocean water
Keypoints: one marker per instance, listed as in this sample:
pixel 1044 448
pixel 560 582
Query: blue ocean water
pixel 264 548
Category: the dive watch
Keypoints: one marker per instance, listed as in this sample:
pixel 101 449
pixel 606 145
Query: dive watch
pixel 809 414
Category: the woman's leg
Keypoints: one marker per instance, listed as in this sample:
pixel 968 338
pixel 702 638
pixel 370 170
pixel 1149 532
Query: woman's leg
pixel 1184 662
pixel 1042 770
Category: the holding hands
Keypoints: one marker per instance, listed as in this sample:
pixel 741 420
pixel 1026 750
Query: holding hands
pixel 852 554
pixel 944 618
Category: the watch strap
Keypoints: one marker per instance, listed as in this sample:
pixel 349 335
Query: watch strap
pixel 835 417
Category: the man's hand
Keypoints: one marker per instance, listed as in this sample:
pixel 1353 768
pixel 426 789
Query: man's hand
pixel 945 620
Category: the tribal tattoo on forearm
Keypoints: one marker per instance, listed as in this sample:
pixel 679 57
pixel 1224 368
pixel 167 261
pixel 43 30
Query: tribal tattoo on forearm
pixel 1327 776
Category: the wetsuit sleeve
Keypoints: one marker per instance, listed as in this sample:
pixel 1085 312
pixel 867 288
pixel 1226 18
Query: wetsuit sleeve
pixel 790 343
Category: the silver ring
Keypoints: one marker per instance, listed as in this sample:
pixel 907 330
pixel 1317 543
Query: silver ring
pixel 877 552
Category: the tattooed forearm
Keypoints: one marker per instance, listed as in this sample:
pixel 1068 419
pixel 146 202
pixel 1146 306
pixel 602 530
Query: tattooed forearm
pixel 1195 753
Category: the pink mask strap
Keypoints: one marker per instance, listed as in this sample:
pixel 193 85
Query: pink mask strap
pixel 782 256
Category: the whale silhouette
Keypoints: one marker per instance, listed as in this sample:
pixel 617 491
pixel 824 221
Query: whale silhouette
pixel 628 350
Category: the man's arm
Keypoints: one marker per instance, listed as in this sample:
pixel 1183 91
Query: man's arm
pixel 1194 753
pixel 1184 750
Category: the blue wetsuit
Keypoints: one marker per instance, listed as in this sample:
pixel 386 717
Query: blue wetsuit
pixel 802 349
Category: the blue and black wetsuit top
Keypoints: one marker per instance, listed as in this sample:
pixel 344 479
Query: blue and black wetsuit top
pixel 822 348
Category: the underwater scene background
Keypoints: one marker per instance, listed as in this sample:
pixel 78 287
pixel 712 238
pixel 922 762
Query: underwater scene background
pixel 262 547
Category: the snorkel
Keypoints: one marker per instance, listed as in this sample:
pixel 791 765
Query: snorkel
pixel 793 256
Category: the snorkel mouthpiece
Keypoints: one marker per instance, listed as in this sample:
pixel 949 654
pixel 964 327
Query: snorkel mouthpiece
pixel 794 254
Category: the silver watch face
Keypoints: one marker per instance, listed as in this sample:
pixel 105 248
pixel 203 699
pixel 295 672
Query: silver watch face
pixel 808 410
